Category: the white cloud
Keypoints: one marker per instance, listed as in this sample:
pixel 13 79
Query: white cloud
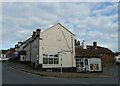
pixel 107 9
pixel 59 1
pixel 23 18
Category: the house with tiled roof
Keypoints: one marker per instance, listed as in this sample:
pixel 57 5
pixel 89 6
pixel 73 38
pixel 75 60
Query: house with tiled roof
pixel 3 55
pixel 86 53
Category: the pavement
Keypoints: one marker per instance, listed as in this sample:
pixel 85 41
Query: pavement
pixel 106 72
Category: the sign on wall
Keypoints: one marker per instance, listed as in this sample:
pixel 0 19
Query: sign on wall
pixel 94 64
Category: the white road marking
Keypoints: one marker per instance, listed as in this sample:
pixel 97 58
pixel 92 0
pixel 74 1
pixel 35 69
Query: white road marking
pixel 65 79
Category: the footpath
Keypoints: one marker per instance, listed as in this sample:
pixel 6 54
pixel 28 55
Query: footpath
pixel 28 69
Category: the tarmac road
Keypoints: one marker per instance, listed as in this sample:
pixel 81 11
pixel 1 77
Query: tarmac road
pixel 15 76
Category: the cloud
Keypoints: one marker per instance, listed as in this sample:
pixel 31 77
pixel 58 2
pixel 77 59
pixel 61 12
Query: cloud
pixel 90 21
pixel 106 10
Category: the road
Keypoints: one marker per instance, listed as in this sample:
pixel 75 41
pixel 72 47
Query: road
pixel 15 76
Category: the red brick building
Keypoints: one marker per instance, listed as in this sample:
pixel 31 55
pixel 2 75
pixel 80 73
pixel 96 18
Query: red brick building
pixel 10 52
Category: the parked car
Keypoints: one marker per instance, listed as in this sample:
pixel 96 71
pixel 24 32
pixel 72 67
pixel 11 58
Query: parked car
pixel 118 59
pixel 4 59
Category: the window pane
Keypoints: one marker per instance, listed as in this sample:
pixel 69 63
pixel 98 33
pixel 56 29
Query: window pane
pixel 77 60
pixel 56 55
pixel 86 61
pixel 50 60
pixel 45 60
pixel 50 56
pixel 56 61
pixel 81 64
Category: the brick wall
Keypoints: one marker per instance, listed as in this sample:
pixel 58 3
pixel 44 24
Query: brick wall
pixel 108 59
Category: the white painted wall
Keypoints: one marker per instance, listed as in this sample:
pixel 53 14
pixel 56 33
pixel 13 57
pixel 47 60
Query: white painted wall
pixel 53 40
pixel 28 52
pixel 3 56
pixel 34 51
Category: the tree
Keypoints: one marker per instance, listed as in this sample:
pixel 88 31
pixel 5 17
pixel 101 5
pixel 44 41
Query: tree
pixel 78 43
pixel 75 42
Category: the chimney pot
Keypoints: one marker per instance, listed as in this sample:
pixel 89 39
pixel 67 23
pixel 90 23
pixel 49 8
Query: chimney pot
pixel 34 34
pixel 95 45
pixel 84 46
pixel 38 31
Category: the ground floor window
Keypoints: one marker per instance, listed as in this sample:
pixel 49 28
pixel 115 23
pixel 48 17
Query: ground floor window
pixel 50 59
pixel 45 60
pixel 79 63
pixel 86 61
pixel 56 61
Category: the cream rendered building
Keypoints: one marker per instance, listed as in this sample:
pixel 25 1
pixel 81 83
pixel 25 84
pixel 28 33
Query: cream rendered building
pixel 53 48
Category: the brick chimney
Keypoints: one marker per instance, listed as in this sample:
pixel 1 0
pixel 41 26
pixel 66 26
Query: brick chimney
pixel 95 45
pixel 38 31
pixel 34 34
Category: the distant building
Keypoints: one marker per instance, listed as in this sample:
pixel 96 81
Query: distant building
pixel 10 53
pixel 3 54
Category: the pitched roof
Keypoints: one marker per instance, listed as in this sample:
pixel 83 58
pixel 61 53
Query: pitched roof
pixel 66 28
pixel 91 51
pixel 27 42
pixel 61 26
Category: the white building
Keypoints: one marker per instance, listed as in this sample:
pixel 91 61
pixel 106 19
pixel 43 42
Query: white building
pixel 52 48
pixel 3 55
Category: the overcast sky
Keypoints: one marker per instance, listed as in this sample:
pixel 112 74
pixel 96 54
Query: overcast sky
pixel 89 21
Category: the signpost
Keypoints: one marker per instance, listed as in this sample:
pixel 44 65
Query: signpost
pixel 60 53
